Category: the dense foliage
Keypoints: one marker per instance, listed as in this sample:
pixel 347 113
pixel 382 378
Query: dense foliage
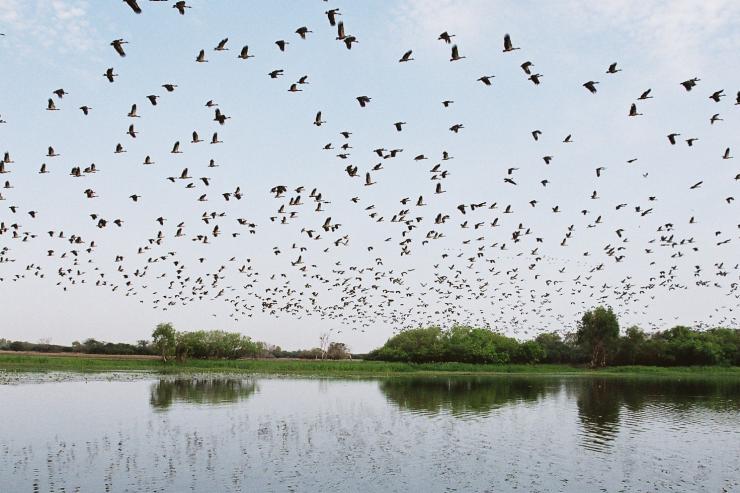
pixel 215 344
pixel 89 346
pixel 458 344
pixel 597 342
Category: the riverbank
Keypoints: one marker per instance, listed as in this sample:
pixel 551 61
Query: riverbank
pixel 93 363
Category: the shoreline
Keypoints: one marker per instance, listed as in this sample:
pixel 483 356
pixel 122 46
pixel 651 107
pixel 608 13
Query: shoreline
pixel 24 362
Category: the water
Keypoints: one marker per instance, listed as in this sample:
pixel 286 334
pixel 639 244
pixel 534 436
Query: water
pixel 98 433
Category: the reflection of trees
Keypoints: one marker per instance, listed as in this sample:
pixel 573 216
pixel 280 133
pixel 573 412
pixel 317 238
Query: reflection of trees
pixel 461 395
pixel 598 408
pixel 600 400
pixel 199 391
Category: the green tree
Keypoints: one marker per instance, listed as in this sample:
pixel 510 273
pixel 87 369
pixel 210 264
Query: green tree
pixel 597 333
pixel 164 340
pixel 630 346
pixel 530 352
pixel 556 351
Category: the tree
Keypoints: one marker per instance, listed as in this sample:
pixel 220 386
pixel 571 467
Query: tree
pixel 338 350
pixel 324 344
pixel 556 351
pixel 164 340
pixel 597 332
pixel 530 352
pixel 630 345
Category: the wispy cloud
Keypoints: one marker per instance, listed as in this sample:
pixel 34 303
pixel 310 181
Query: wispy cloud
pixel 677 35
pixel 61 26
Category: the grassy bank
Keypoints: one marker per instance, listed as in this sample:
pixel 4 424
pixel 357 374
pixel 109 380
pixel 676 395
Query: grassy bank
pixel 334 368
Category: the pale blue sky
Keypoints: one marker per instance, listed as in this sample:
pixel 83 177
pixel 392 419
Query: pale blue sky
pixel 270 140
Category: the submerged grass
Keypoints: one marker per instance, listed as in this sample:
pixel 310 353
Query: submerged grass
pixel 339 368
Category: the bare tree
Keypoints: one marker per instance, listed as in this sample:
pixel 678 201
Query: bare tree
pixel 324 344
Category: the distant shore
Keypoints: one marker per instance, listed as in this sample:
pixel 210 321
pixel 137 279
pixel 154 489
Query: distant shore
pixel 10 361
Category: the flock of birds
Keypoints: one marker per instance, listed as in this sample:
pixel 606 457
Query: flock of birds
pixel 504 273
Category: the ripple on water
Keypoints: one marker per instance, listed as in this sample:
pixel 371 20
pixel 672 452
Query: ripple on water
pixel 245 434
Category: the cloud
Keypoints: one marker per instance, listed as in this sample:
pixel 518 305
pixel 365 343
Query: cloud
pixel 59 25
pixel 678 36
pixel 686 34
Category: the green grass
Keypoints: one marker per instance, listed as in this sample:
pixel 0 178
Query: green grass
pixel 337 368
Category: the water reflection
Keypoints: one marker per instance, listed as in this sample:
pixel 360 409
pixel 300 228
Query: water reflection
pixel 521 433
pixel 598 403
pixel 606 404
pixel 200 391
pixel 603 405
pixel 462 396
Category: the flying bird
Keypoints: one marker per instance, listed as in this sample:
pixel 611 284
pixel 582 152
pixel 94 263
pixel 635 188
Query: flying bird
pixel 117 45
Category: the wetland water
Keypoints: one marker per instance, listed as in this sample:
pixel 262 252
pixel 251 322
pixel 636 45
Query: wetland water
pixel 96 433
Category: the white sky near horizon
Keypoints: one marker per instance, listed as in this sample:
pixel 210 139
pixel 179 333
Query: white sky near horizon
pixel 270 140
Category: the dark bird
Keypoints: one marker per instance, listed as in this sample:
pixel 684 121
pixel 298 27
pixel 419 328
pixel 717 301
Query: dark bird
pixel 646 95
pixel 406 57
pixel 109 74
pixel 591 86
pixel 447 38
pixel 526 67
pixel 340 32
pixel 690 84
pixel 363 100
pixel 134 6
pixel 535 78
pixel 302 31
pixel 281 44
pixel 332 15
pixel 507 44
pixel 633 110
pixel 455 55
pixel 222 45
pixel 244 54
pixel 181 6
pixel 613 69
pixel 716 95
pixel 672 138
pixel 486 79
pixel 117 45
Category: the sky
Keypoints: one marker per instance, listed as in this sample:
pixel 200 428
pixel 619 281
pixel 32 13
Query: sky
pixel 356 284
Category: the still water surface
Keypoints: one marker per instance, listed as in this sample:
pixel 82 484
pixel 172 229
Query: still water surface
pixel 231 433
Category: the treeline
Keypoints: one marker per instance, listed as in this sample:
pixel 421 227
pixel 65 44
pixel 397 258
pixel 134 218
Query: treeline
pixel 89 346
pixel 596 342
pixel 218 344
pixel 171 344
pixel 335 350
